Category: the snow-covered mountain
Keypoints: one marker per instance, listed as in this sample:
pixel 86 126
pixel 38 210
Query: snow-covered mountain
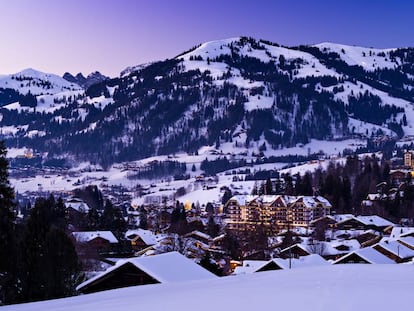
pixel 36 82
pixel 242 94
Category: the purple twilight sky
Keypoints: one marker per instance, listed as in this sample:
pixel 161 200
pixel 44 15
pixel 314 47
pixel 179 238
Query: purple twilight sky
pixel 109 35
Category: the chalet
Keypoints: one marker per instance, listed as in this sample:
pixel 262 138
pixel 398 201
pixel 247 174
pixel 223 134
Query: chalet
pixel 295 251
pixel 366 255
pixel 327 221
pixel 253 266
pixel 217 244
pixel 394 250
pixel 373 222
pixel 89 242
pixel 201 237
pixel 141 238
pixel 328 250
pixel 75 210
pixel 164 268
pixel 76 205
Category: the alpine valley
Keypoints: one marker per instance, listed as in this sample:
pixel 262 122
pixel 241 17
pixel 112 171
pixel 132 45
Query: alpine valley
pixel 240 94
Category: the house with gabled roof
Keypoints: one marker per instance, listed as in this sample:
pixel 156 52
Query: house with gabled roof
pixel 76 205
pixel 253 266
pixel 164 268
pixel 395 250
pixel 366 255
pixel 328 250
pixel 93 243
pixel 94 237
pixel 373 222
pixel 140 238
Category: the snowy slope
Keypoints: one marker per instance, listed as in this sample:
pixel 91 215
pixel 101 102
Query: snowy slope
pixel 368 58
pixel 240 94
pixel 326 288
pixel 37 83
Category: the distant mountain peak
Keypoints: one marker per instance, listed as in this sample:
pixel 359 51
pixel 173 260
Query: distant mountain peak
pixel 92 78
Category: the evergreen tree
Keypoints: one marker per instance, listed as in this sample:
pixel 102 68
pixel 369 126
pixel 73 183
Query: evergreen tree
pixel 226 196
pixel 93 219
pixel 112 220
pixel 50 266
pixel 143 222
pixel 7 233
pixel 212 228
pixel 268 187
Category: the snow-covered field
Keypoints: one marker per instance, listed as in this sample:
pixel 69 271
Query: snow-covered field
pixel 324 288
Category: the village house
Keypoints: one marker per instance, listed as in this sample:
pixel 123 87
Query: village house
pixel 164 268
pixel 93 243
pixel 366 255
pixel 395 251
pixel 253 266
pixel 75 210
pixel 328 250
pixel 372 222
pixel 141 239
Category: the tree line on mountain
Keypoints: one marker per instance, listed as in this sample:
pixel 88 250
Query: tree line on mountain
pixel 162 109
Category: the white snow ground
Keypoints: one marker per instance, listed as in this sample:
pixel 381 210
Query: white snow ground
pixel 326 288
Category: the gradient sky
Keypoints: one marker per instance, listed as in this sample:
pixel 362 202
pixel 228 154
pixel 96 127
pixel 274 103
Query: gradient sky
pixel 109 35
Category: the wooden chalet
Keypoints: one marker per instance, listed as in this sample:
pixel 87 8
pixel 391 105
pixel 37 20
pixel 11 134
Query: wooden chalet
pixel 395 251
pixel 164 268
pixel 372 222
pixel 366 255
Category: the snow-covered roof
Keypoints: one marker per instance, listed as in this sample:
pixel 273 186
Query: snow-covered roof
pixel 312 201
pixel 352 244
pixel 398 232
pixel 345 287
pixel 409 240
pixel 376 196
pixel 77 204
pixel 370 255
pixel 147 236
pixel 86 236
pixel 199 234
pixel 166 268
pixel 397 249
pixel 268 199
pixel 374 220
pixel 341 217
pixel 251 266
pixel 309 201
pixel 243 199
pixel 324 248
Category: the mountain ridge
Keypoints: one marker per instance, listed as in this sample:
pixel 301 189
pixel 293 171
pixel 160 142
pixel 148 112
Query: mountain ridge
pixel 250 94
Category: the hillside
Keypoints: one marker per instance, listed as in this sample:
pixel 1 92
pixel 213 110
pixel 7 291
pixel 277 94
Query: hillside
pixel 239 94
pixel 341 287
